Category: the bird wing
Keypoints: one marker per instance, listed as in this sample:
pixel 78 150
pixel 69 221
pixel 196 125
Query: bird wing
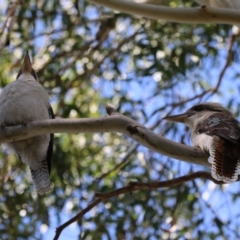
pixel 221 125
pixel 41 176
pixel 50 146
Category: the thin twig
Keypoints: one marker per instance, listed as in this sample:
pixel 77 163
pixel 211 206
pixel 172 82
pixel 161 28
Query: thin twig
pixel 119 165
pixel 9 22
pixel 227 63
pixel 76 218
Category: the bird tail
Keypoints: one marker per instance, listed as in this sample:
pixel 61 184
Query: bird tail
pixel 41 178
pixel 225 161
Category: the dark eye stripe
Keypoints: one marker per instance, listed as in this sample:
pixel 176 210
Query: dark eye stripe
pixel 200 108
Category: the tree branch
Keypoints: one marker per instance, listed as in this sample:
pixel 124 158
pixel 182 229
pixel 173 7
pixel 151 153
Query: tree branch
pixel 180 15
pixel 132 187
pixel 9 22
pixel 135 186
pixel 77 217
pixel 119 165
pixel 116 122
pixel 228 61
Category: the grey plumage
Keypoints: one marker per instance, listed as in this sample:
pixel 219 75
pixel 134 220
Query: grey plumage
pixel 21 102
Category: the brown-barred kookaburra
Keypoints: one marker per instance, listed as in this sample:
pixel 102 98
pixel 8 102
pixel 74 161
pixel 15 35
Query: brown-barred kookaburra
pixel 215 130
pixel 21 102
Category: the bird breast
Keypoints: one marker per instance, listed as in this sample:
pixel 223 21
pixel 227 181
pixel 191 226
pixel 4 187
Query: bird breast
pixel 23 102
pixel 203 141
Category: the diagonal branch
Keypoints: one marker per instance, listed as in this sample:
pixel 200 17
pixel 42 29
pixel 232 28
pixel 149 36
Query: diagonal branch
pixel 77 217
pixel 135 186
pixel 116 122
pixel 180 15
pixel 228 61
pixel 7 25
pixel 132 187
pixel 119 165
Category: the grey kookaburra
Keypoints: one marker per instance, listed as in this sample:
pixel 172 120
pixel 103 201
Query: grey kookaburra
pixel 21 102
pixel 215 130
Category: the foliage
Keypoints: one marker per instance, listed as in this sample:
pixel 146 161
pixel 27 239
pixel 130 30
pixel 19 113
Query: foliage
pixel 88 56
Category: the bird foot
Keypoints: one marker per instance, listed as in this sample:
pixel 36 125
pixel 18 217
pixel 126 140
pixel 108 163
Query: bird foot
pixel 24 124
pixel 2 126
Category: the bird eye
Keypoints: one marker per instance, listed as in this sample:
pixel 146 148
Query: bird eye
pixel 198 108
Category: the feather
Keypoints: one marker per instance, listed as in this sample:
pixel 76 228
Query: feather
pixel 50 146
pixel 225 160
pixel 41 176
pixel 225 151
pixel 222 125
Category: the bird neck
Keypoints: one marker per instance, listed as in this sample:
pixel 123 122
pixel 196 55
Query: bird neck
pixel 26 76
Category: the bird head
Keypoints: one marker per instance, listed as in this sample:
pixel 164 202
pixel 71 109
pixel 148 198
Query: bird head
pixel 198 113
pixel 26 70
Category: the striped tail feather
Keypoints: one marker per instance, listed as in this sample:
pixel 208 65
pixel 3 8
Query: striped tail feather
pixel 41 178
pixel 224 158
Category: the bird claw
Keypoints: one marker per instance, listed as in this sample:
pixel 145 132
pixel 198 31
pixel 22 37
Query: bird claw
pixel 24 124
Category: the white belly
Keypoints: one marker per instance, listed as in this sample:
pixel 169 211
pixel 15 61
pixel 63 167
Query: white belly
pixel 203 141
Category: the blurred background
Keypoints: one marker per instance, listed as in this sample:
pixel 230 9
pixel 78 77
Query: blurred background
pixel 86 57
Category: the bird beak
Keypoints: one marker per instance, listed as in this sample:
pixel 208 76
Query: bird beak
pixel 27 65
pixel 177 118
pixel 27 68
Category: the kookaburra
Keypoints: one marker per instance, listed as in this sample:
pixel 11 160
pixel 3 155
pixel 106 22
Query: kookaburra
pixel 215 130
pixel 21 102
